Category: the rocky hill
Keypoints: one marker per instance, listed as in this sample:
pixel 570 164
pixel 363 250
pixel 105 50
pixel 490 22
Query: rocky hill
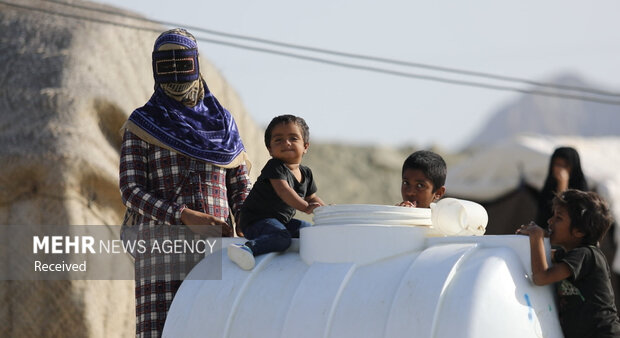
pixel 552 116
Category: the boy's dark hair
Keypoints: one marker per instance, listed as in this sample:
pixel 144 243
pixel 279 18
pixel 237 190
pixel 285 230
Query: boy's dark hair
pixel 431 164
pixel 588 213
pixel 300 122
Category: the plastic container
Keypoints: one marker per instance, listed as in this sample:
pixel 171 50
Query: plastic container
pixel 370 280
pixel 370 214
pixel 456 217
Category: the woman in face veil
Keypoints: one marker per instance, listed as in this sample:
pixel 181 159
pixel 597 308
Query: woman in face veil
pixel 564 173
pixel 183 174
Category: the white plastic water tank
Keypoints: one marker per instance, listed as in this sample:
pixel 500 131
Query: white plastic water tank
pixel 369 280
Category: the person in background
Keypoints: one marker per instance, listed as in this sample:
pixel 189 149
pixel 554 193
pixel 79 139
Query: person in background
pixel 586 298
pixel 183 172
pixel 564 173
pixel 283 187
pixel 423 179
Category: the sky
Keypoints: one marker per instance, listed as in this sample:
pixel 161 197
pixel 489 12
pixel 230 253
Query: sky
pixel 527 39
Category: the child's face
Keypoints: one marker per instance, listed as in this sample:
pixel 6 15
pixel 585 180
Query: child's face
pixel 287 143
pixel 416 187
pixel 560 232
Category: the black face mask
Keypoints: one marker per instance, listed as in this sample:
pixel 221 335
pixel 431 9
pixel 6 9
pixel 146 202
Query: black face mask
pixel 175 65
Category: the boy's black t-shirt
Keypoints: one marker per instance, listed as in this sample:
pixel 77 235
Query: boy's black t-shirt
pixel 586 299
pixel 263 202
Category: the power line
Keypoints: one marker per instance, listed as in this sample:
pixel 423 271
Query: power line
pixel 414 76
pixel 331 62
pixel 354 55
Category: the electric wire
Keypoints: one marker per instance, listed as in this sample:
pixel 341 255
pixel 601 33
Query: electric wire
pixel 350 55
pixel 320 60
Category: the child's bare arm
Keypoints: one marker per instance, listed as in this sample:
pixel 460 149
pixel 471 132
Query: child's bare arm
pixel 314 199
pixel 542 273
pixel 290 197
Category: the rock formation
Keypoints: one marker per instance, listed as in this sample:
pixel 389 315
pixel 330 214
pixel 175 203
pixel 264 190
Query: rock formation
pixel 545 115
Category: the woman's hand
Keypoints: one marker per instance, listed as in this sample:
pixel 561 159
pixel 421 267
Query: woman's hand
pixel 238 231
pixel 205 224
pixel 562 176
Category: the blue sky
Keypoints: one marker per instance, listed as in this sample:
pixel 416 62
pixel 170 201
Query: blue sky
pixel 535 40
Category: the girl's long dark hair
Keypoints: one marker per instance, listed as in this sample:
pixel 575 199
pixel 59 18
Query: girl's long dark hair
pixel 576 181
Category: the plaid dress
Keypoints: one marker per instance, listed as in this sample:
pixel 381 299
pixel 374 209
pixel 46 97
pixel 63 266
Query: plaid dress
pixel 155 185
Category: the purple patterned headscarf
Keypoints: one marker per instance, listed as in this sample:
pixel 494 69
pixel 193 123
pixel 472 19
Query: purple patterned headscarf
pixel 206 131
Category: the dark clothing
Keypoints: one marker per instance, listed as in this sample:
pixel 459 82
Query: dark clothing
pixel 269 235
pixel 263 202
pixel 586 299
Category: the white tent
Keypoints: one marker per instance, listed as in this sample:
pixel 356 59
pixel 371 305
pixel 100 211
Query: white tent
pixel 497 170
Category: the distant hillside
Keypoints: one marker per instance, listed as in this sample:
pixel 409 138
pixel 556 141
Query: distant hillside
pixel 356 174
pixel 551 116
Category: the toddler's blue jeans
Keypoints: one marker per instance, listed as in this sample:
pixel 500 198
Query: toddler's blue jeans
pixel 270 235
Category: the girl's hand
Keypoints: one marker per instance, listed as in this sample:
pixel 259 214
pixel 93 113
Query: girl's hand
pixel 531 229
